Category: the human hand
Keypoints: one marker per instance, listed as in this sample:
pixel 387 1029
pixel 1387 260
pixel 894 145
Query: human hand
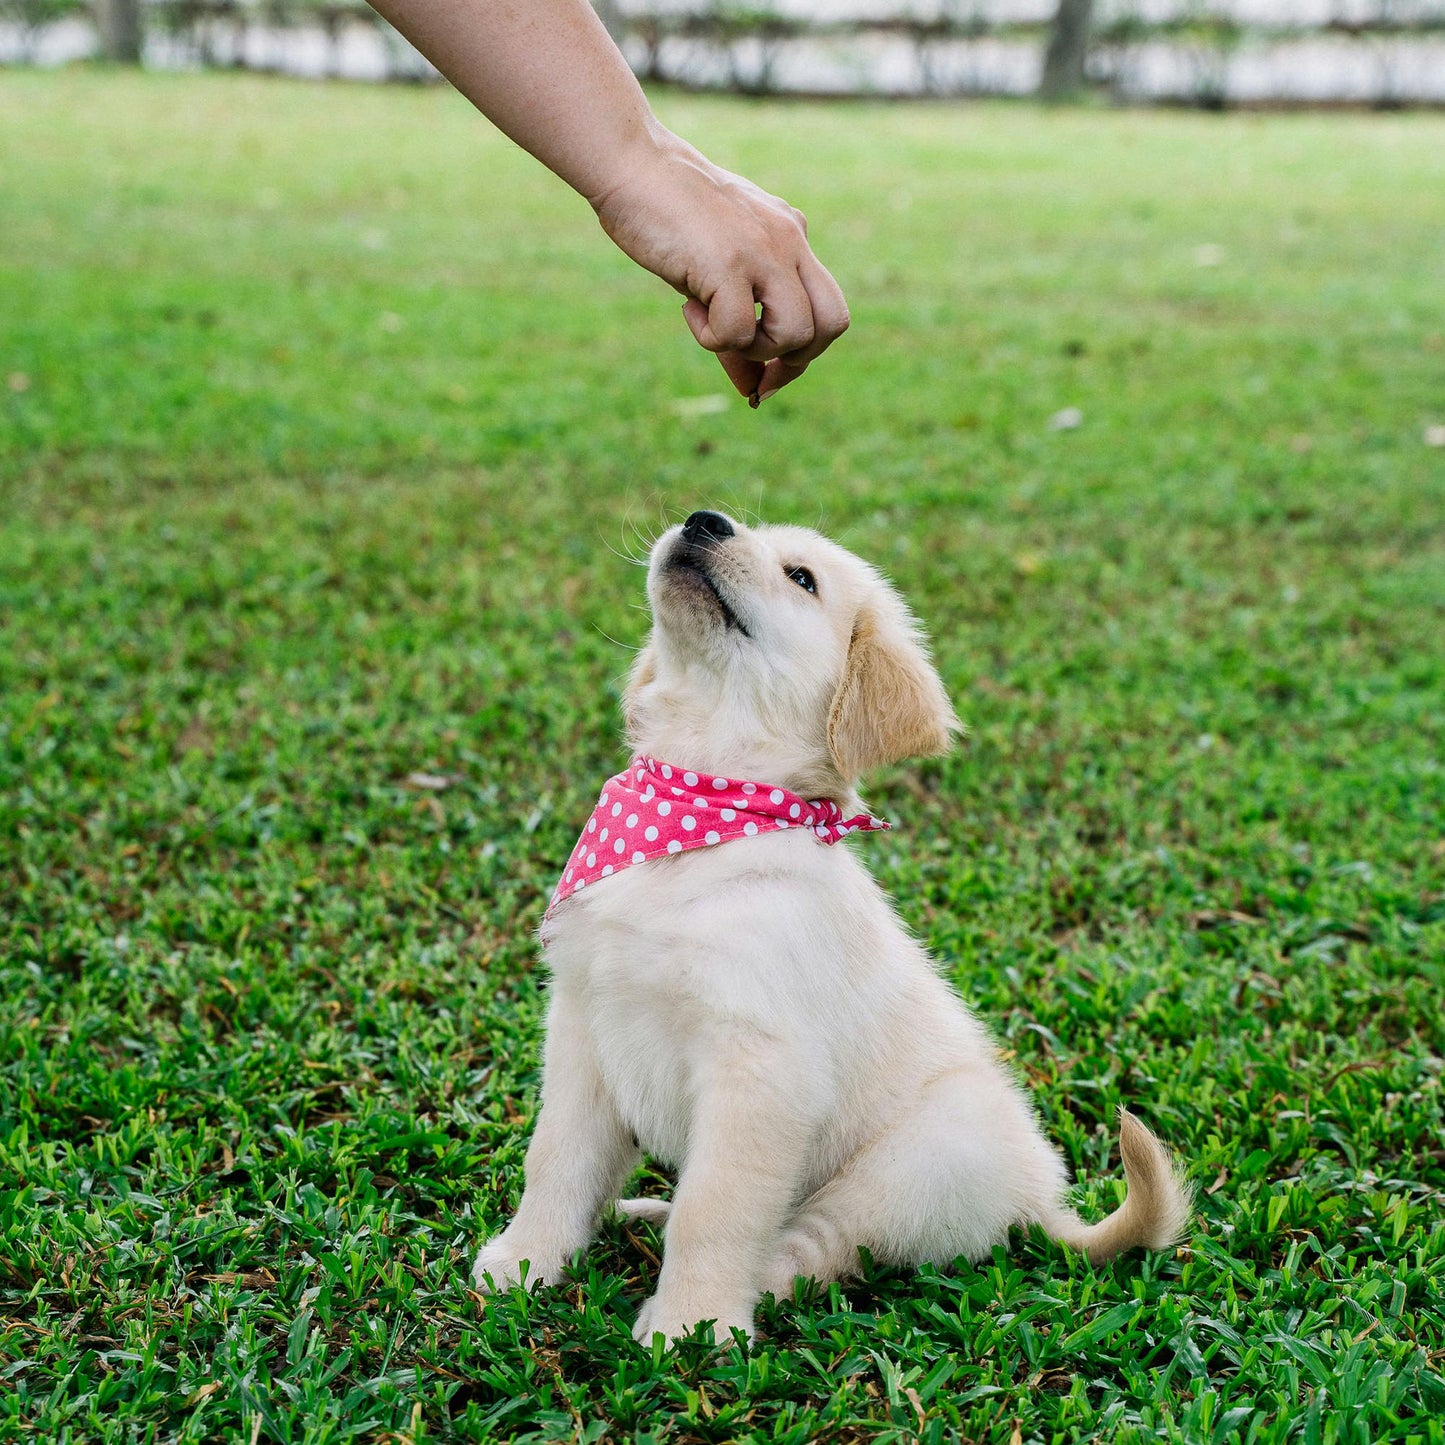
pixel 726 245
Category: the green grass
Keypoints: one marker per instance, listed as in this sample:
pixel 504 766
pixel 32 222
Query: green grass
pixel 324 409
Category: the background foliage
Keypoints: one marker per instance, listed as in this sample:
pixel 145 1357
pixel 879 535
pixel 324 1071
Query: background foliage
pixel 323 412
pixel 1212 54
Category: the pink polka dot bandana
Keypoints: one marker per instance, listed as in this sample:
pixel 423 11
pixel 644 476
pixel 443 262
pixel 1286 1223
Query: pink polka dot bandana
pixel 655 808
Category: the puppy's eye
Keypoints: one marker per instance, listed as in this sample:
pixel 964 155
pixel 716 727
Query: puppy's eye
pixel 803 578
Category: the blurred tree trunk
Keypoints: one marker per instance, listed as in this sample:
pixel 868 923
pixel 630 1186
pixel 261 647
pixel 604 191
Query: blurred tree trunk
pixel 610 14
pixel 1068 48
pixel 120 30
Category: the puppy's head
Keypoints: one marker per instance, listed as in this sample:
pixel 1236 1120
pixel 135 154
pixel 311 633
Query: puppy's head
pixel 776 653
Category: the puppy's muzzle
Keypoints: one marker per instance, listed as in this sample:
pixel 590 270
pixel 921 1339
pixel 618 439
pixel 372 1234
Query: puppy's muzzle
pixel 692 557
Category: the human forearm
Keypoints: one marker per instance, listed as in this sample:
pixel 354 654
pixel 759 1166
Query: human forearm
pixel 547 74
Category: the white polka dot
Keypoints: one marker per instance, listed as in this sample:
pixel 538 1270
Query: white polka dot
pixel 569 875
pixel 591 860
pixel 690 779
pixel 713 838
pixel 674 846
pixel 639 775
pixel 651 835
pixel 649 793
pixel 719 782
pixel 664 808
pixel 689 822
pixel 750 788
pixel 602 836
pixel 794 811
pixel 592 825
pixel 727 815
pixel 666 771
pixel 619 846
pixel 581 884
pixel 821 832
pixel 750 829
pixel 639 857
pixel 632 820
pixel 783 823
pixel 776 795
pixel 617 810
pixel 607 870
pixel 676 792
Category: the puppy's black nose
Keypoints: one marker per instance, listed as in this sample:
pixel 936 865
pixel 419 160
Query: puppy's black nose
pixel 706 527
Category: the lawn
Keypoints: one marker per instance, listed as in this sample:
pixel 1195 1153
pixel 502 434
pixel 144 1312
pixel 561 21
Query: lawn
pixel 327 420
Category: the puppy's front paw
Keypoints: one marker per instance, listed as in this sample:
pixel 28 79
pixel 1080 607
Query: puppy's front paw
pixel 499 1266
pixel 676 1320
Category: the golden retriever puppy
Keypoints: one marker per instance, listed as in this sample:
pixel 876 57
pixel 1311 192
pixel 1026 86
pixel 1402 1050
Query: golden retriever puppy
pixel 733 993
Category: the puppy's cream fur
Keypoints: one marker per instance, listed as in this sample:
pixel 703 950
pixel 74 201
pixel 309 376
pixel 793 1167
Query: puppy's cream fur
pixel 755 1014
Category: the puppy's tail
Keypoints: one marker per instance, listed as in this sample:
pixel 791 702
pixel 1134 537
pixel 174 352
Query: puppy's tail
pixel 1155 1212
pixel 648 1211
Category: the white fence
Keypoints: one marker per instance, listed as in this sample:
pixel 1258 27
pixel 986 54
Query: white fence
pixel 1200 52
pixel 1213 52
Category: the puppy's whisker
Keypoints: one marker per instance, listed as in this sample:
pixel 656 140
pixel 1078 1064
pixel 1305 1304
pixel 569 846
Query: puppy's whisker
pixel 648 533
pixel 745 512
pixel 739 506
pixel 626 646
pixel 623 555
pixel 647 538
pixel 630 524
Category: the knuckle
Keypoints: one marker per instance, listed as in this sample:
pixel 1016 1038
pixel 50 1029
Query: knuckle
pixel 796 340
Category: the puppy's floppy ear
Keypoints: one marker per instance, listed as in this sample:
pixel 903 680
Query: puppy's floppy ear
pixel 890 704
pixel 642 672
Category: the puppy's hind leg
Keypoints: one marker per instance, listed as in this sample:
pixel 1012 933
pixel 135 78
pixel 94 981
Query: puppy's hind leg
pixel 865 1205
pixel 953 1170
pixel 821 1242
